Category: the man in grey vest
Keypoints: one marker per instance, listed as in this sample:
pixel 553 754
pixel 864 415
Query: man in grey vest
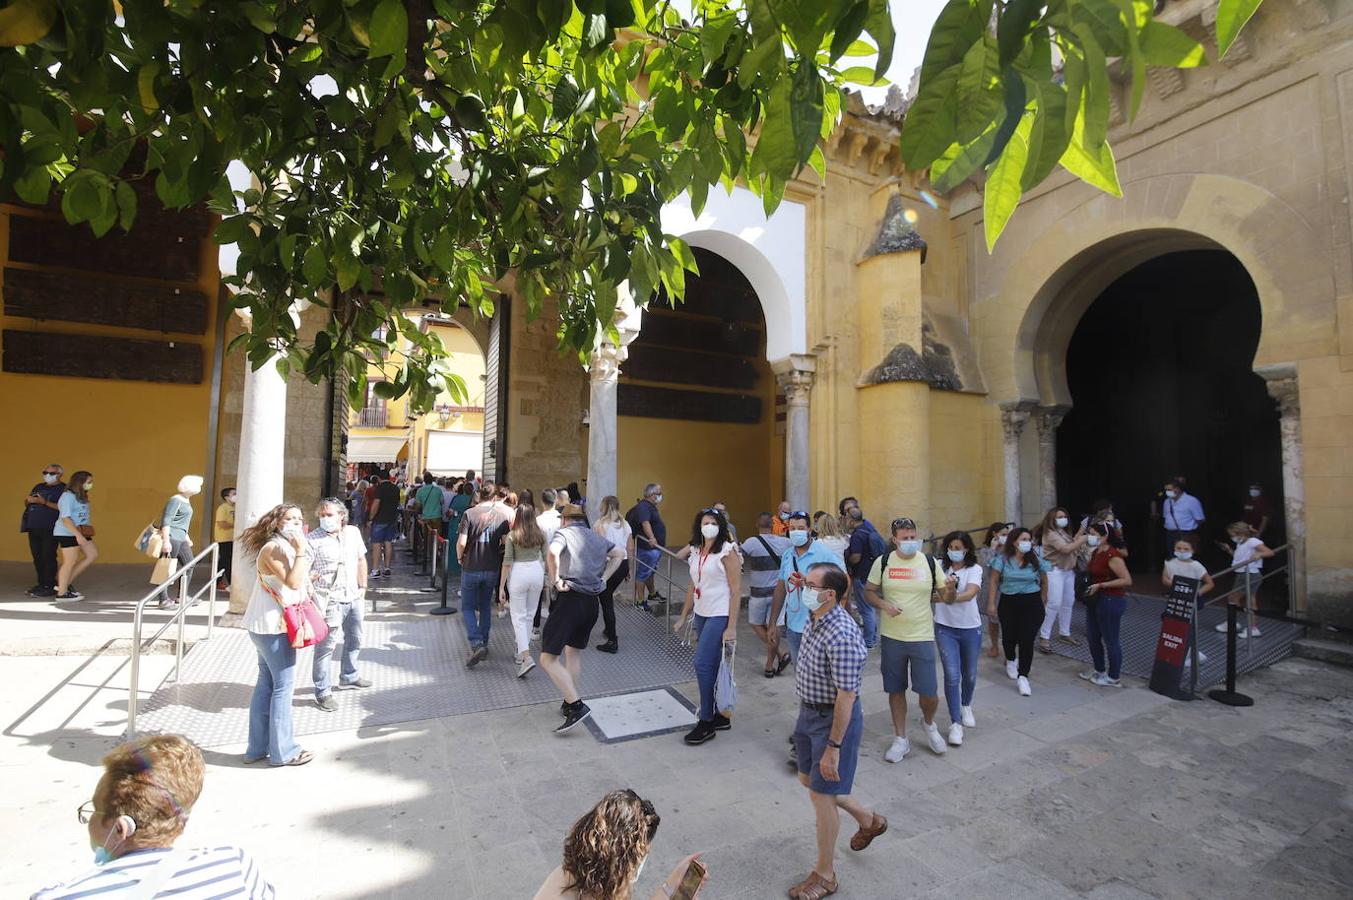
pixel 579 561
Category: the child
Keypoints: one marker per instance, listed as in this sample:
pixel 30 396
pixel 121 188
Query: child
pixel 1183 565
pixel 1248 555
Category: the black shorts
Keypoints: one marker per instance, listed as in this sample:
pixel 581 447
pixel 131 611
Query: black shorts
pixel 63 541
pixel 572 616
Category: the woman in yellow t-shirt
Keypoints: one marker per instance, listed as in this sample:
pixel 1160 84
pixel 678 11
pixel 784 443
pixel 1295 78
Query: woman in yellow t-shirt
pixel 223 533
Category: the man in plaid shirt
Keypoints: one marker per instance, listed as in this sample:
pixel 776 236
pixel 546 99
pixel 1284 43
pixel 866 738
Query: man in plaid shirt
pixel 827 735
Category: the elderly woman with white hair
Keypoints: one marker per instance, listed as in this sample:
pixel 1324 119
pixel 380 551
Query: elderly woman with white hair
pixel 175 522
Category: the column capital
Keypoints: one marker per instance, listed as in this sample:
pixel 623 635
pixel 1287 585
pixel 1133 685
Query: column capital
pixel 1047 419
pixel 604 363
pixel 794 374
pixel 1281 383
pixel 1014 416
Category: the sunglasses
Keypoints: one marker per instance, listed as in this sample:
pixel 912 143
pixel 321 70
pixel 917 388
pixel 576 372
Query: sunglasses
pixel 903 523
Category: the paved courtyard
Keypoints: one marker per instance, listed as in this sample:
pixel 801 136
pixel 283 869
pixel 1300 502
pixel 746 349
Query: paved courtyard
pixel 1075 792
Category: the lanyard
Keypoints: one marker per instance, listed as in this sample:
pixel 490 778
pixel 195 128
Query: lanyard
pixel 700 569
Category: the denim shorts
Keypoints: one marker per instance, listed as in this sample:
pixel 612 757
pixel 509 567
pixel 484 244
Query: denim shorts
pixel 810 740
pixel 917 656
pixel 647 563
pixel 758 610
pixel 381 532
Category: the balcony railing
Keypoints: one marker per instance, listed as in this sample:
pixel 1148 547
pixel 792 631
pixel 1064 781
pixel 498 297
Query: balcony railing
pixel 371 417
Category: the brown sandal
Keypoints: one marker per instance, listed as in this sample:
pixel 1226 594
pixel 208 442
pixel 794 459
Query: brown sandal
pixel 814 887
pixel 865 836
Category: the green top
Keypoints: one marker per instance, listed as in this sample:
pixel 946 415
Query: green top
pixel 515 554
pixel 177 517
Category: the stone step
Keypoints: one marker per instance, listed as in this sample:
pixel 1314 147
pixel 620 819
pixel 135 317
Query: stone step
pixel 1340 653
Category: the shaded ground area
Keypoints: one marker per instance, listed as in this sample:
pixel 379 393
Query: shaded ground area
pixel 1075 792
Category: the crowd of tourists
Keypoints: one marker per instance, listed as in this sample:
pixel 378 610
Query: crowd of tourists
pixel 823 592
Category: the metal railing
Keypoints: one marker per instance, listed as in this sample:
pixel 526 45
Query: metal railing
pixel 665 561
pixel 371 417
pixel 1249 585
pixel 186 602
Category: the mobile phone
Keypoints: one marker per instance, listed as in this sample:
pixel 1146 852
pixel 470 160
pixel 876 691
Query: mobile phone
pixel 691 881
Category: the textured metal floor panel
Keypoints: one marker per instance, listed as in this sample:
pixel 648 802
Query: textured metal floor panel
pixel 626 717
pixel 417 664
pixel 1141 629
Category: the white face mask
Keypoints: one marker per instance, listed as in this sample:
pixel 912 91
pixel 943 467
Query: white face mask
pixel 1171 494
pixel 1092 540
pixel 1184 555
pixel 1024 546
pixel 50 479
pixel 998 540
pixel 657 498
pixel 292 530
pixel 89 485
pixel 1061 521
pixel 1255 492
pixel 331 523
pixel 709 530
pixel 909 547
pixel 1237 539
pixel 812 598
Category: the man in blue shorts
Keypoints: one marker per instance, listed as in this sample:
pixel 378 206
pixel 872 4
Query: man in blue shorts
pixel 650 534
pixel 761 556
pixel 827 736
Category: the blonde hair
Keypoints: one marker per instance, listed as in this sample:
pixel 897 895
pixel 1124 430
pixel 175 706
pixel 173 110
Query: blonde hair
pixel 1241 528
pixel 155 780
pixel 190 484
pixel 270 523
pixel 610 511
pixel 826 525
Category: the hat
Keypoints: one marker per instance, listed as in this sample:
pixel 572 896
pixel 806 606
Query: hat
pixel 572 511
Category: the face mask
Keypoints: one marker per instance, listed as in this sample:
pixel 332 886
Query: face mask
pixel 812 598
pixel 784 517
pixel 1171 494
pixel 657 498
pixel 50 479
pixel 998 540
pixel 957 556
pixel 1236 539
pixel 1024 546
pixel 1254 492
pixel 1061 521
pixel 331 523
pixel 908 548
pixel 89 485
pixel 1184 555
pixel 231 499
pixel 102 855
pixel 709 530
pixel 291 531
pixel 1092 540
pixel 798 538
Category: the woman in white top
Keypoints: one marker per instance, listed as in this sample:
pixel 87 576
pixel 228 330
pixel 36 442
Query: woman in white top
pixel 278 541
pixel 1062 551
pixel 1183 565
pixel 714 595
pixel 958 631
pixel 829 534
pixel 612 526
pixel 1249 554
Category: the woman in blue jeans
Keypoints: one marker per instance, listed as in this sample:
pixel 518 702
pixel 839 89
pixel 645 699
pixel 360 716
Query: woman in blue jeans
pixel 958 632
pixel 714 595
pixel 278 541
pixel 1106 601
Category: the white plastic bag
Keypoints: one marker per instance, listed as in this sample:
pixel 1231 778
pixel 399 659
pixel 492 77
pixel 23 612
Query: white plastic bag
pixel 725 685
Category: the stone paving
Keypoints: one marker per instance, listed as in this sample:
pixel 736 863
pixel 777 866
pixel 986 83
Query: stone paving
pixel 1074 792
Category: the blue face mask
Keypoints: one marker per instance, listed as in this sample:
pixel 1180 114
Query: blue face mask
pixel 812 598
pixel 957 555
pixel 798 538
pixel 908 548
pixel 1184 555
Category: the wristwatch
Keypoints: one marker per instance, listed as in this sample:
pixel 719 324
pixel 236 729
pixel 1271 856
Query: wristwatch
pixel 835 745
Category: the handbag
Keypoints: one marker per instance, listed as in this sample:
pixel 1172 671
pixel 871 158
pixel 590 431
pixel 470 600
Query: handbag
pixel 304 622
pixel 86 530
pixel 149 541
pixel 166 567
pixel 725 685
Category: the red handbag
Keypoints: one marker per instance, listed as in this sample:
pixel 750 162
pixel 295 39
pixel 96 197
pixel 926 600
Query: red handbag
pixel 305 623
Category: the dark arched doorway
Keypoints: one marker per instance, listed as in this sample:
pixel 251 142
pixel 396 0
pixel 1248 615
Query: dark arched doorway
pixel 1160 370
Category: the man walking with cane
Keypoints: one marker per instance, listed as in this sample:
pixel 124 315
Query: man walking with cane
pixel 827 736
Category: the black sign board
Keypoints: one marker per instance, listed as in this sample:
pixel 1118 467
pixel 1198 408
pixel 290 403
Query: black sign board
pixel 1173 645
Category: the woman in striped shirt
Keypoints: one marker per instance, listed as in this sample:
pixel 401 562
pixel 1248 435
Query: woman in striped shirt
pixel 138 811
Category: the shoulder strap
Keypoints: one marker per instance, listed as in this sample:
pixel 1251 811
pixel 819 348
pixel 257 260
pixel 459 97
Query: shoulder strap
pixel 764 543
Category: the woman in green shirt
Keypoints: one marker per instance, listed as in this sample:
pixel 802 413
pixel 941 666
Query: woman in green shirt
pixel 175 523
pixel 523 577
pixel 455 511
pixel 1020 578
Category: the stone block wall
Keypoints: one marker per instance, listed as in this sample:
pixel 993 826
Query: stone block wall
pixel 546 395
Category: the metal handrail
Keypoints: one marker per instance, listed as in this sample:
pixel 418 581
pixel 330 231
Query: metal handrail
pixel 186 603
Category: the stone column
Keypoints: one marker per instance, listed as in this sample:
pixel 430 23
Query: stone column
pixel 1047 419
pixel 258 484
pixel 795 377
pixel 604 369
pixel 1281 382
pixel 1013 418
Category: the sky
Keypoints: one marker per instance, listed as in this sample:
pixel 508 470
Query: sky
pixel 913 20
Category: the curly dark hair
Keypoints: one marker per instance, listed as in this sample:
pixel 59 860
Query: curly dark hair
pixel 970 552
pixel 723 537
pixel 604 848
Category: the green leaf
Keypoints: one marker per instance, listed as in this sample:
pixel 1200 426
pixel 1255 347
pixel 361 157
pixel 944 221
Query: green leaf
pixel 26 21
pixel 959 25
pixel 1232 15
pixel 863 75
pixel 388 30
pixel 1135 59
pixel 714 36
pixel 1095 167
pixel 1096 108
pixel 349 268
pixel 145 87
pixel 1005 180
pixel 879 24
pixel 314 265
pixel 767 55
pixel 978 89
pixel 931 124
pixel 847 31
pixel 33 185
pixel 1049 136
pixel 229 231
pixel 260 17
pixel 1166 45
pixel 806 111
pixel 1017 20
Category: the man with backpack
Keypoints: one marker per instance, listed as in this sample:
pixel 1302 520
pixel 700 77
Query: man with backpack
pixel 761 557
pixel 901 586
pixel 866 545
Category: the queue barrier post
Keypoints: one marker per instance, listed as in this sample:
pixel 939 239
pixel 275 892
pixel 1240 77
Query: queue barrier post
pixel 445 546
pixel 1229 695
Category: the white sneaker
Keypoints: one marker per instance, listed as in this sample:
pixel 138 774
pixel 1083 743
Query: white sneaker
pixel 956 734
pixel 1023 684
pixel 1012 669
pixel 1222 628
pixel 900 748
pixel 1253 632
pixel 932 733
pixel 524 665
pixel 1188 659
pixel 968 720
pixel 1103 680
